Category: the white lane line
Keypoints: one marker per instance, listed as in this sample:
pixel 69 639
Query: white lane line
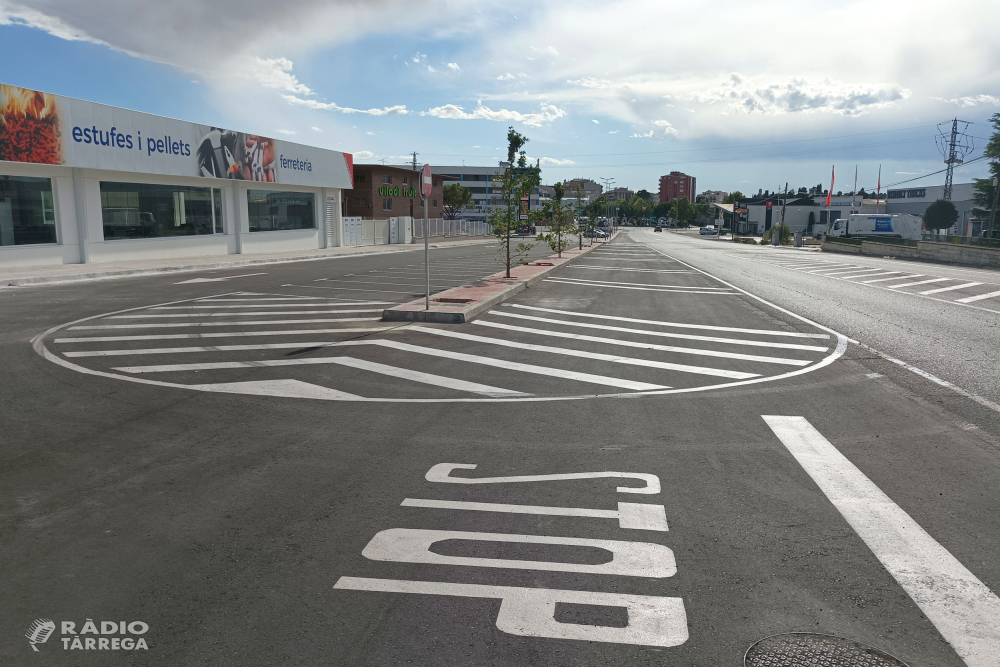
pixel 276 305
pixel 646 346
pixel 210 299
pixel 625 268
pixel 963 609
pixel 919 282
pixel 843 267
pixel 949 289
pixel 195 350
pixel 242 314
pixel 859 272
pixel 596 356
pixel 406 347
pixel 766 332
pixel 882 280
pixel 427 378
pixel 636 516
pixel 979 297
pixel 868 274
pixel 221 334
pixel 615 282
pixel 164 325
pixel 567 281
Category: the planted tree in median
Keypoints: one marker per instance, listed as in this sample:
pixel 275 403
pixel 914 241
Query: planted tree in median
pixel 517 180
pixel 560 221
pixel 457 198
pixel 985 194
pixel 942 214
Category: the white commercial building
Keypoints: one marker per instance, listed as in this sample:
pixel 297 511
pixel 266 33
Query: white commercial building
pixel 83 182
pixel 916 200
pixel 485 186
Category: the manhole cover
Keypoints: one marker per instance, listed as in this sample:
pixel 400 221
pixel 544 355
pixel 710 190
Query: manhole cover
pixel 806 649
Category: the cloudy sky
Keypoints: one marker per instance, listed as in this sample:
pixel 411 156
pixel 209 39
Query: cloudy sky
pixel 741 95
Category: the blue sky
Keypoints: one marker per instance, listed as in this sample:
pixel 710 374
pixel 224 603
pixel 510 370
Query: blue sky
pixel 624 89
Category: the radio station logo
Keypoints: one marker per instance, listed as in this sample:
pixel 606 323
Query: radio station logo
pixel 92 636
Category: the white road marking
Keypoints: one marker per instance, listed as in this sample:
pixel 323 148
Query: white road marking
pixel 846 268
pixel 856 273
pixel 428 378
pixel 919 282
pixel 458 356
pixel 164 325
pixel 613 358
pixel 242 314
pixel 665 334
pixel 635 516
pixel 949 289
pixel 274 305
pixel 441 473
pixel 281 388
pixel 646 346
pixel 963 609
pixel 629 559
pixel 615 282
pixel 569 281
pixel 530 612
pixel 220 334
pixel 217 280
pixel 625 268
pixel 213 299
pixel 680 325
pixel 882 280
pixel 979 297
pixel 868 274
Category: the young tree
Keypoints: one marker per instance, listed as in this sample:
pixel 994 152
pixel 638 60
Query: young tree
pixel 685 212
pixel 457 198
pixel 517 180
pixel 645 194
pixel 942 214
pixel 560 221
pixel 590 214
pixel 733 197
pixel 664 210
pixel 784 234
pixel 811 223
pixel 985 194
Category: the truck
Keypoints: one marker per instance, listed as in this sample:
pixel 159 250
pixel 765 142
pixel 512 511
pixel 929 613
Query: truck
pixel 898 226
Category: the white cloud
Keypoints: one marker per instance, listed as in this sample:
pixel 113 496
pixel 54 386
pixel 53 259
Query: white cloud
pixel 555 162
pixel 595 121
pixel 546 114
pixel 431 69
pixel 454 67
pixel 548 50
pixel 646 135
pixel 274 73
pixel 397 110
pixel 287 131
pixel 505 77
pixel 370 132
pixel 32 18
pixel 363 155
pixel 614 131
pixel 668 128
pixel 315 129
pixel 971 101
pixel 745 95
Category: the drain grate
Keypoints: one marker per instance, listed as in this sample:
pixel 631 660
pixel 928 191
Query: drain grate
pixel 806 649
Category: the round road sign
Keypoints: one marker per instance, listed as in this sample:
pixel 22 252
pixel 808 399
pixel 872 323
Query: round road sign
pixel 427 181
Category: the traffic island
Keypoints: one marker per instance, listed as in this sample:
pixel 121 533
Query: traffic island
pixel 461 304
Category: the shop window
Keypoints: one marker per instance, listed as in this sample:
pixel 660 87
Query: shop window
pixel 26 213
pixel 144 211
pixel 386 204
pixel 387 179
pixel 434 202
pixel 273 210
pixel 406 180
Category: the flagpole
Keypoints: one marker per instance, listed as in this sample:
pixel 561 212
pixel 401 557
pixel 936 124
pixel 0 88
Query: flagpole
pixel 854 192
pixel 878 196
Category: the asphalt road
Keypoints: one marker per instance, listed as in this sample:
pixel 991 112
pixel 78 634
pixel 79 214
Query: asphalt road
pixel 632 463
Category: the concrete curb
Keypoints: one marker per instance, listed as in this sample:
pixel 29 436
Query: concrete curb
pixel 189 268
pixel 442 313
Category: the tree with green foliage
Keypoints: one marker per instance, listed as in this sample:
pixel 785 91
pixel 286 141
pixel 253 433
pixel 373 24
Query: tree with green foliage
pixel 811 223
pixel 559 221
pixel 942 214
pixel 457 198
pixel 645 194
pixel 733 197
pixel 637 207
pixel 517 180
pixel 985 192
pixel 684 211
pixel 590 213
pixel 663 209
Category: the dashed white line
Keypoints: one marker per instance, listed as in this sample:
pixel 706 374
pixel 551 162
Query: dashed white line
pixel 949 288
pixel 979 297
pixel 882 280
pixel 919 282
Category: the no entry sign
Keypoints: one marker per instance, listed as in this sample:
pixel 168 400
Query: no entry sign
pixel 427 180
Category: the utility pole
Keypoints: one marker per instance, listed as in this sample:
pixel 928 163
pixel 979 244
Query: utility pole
pixel 776 229
pixel 993 211
pixel 954 146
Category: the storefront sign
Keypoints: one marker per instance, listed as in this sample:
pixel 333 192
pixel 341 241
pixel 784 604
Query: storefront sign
pixel 41 128
pixel 387 191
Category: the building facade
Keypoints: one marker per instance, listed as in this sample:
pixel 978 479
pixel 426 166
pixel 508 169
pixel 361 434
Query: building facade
pixel 381 192
pixel 916 200
pixel 83 182
pixel 619 193
pixel 713 196
pixel 589 190
pixel 675 185
pixel 485 186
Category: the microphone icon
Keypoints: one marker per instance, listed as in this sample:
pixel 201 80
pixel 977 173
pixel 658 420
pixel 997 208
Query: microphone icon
pixel 39 632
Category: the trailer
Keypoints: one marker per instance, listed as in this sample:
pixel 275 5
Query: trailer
pixel 899 226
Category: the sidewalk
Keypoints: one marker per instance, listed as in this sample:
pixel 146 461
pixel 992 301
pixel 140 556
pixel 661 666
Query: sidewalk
pixel 60 273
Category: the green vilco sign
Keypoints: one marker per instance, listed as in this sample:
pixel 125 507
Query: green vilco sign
pixel 387 191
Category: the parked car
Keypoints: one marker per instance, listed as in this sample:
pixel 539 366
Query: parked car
pixel 657 229
pixel 706 230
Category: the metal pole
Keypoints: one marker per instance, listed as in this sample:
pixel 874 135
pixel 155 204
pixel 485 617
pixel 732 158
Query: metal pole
pixel 993 211
pixel 427 259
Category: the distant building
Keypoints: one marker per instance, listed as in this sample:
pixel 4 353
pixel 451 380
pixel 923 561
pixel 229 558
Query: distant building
pixel 589 190
pixel 619 193
pixel 675 185
pixel 382 192
pixel 485 186
pixel 916 201
pixel 713 196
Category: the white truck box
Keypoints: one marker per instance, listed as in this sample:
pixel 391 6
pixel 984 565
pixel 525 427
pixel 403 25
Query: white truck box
pixel 900 225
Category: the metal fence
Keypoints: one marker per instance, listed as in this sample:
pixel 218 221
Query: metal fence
pixel 963 240
pixel 442 227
